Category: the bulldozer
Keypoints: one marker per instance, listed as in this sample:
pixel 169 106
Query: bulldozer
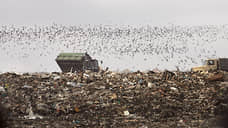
pixel 218 66
pixel 213 65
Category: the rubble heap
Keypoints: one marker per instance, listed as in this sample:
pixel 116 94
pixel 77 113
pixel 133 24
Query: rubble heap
pixel 110 99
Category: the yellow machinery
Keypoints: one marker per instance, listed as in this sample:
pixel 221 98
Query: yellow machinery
pixel 212 65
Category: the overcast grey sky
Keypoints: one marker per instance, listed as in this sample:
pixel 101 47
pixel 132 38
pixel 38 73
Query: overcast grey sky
pixel 155 12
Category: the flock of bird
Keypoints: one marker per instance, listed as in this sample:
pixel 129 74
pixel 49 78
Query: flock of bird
pixel 118 46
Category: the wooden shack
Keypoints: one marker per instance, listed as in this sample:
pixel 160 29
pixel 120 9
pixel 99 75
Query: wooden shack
pixel 76 62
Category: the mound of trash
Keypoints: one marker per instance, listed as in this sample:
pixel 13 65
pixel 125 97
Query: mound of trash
pixel 113 99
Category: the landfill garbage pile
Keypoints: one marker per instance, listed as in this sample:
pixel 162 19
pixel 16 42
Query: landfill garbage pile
pixel 111 99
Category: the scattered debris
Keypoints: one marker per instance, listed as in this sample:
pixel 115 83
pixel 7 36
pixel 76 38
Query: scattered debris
pixel 173 88
pixel 126 113
pixel 108 99
pixel 2 89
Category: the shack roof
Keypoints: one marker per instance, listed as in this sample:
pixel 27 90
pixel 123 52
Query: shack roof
pixel 71 56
